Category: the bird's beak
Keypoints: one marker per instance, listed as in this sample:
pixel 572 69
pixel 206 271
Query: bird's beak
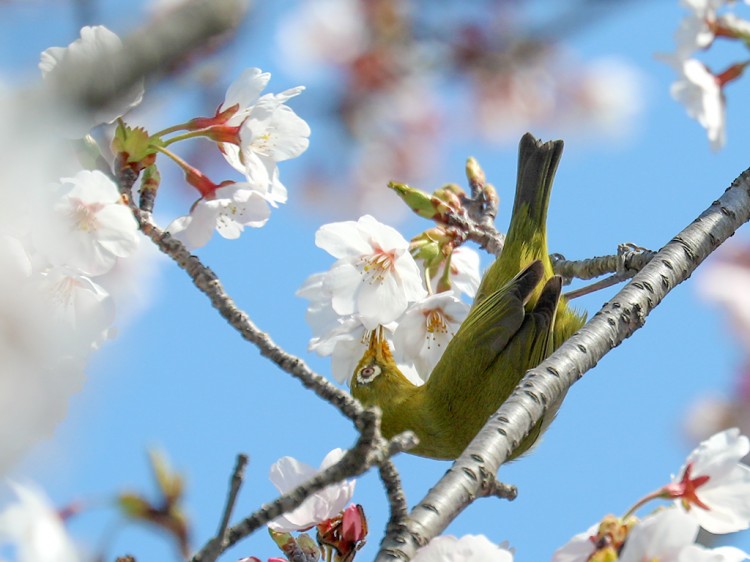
pixel 379 347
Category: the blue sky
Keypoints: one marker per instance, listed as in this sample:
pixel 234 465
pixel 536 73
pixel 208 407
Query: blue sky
pixel 180 379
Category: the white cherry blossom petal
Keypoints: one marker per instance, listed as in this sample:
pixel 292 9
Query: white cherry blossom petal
pixel 58 64
pixel 719 480
pixel 469 548
pixel 661 537
pixel 288 473
pixel 85 225
pixel 34 528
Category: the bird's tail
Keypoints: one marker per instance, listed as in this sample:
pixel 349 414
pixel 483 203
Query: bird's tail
pixel 526 239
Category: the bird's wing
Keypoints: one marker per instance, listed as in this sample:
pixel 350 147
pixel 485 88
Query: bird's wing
pixel 534 341
pixel 532 344
pixel 483 336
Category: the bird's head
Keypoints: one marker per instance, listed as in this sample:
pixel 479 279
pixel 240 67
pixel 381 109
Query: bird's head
pixel 377 379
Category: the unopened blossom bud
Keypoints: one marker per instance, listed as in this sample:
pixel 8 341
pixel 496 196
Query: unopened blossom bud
pixel 448 199
pixel 417 200
pixel 475 173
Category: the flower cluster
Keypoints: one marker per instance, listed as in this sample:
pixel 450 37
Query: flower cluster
pixel 35 528
pixel 63 243
pixel 697 87
pixel 376 281
pixel 711 491
pixel 254 133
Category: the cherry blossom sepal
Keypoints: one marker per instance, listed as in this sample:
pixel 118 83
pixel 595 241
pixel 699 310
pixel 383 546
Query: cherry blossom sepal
pixel 301 548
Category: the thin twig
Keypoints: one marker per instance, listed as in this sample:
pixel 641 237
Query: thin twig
pixel 395 492
pixel 208 283
pixel 629 259
pixel 235 483
pixel 215 546
pixel 495 488
pixel 598 286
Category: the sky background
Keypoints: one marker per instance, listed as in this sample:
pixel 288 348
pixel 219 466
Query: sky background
pixel 178 378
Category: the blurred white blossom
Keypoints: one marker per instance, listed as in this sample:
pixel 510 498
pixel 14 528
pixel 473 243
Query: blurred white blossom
pixel 84 224
pixel 34 528
pixel 60 65
pixel 322 32
pixel 700 92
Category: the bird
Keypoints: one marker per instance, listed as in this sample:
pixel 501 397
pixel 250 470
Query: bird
pixel 517 319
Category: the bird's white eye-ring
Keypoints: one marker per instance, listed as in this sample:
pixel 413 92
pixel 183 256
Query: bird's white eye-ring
pixel 367 374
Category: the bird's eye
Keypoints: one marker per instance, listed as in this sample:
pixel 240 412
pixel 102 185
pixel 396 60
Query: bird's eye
pixel 367 374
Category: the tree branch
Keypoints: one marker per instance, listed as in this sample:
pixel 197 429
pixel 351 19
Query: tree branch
pixel 396 497
pixel 214 547
pixel 628 260
pixel 548 383
pixel 208 283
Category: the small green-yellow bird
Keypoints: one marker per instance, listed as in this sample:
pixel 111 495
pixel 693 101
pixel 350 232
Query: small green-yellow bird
pixel 516 321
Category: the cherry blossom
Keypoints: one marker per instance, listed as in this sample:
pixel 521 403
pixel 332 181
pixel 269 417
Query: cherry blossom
pixel 426 328
pixel 83 224
pixel 228 210
pixel 714 486
pixel 696 29
pixel 39 374
pixel 244 92
pixel 723 281
pixel 345 344
pixel 83 309
pixel 322 31
pixel 700 92
pixel 268 131
pixel 287 473
pixel 341 337
pixel 469 548
pixel 465 270
pixel 271 133
pixel 669 536
pixel 61 64
pixel 35 529
pixel 374 276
